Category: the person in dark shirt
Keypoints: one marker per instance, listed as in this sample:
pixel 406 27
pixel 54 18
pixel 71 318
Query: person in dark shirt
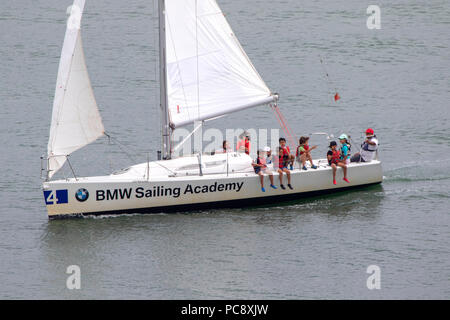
pixel 283 160
pixel 287 152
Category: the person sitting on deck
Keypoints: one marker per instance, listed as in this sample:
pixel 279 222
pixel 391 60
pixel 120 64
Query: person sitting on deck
pixel 368 148
pixel 261 168
pixel 225 147
pixel 287 151
pixel 345 148
pixel 269 159
pixel 283 160
pixel 243 144
pixel 334 160
pixel 304 152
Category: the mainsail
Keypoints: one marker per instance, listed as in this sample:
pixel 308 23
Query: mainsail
pixel 208 72
pixel 76 120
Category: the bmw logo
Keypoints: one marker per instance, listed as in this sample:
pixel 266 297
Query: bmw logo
pixel 82 195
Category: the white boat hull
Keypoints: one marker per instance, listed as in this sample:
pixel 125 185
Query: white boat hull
pixel 125 195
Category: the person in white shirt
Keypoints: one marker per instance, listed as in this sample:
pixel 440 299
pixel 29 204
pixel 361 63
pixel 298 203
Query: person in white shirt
pixel 368 148
pixel 269 159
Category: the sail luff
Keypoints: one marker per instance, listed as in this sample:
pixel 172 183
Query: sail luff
pixel 76 120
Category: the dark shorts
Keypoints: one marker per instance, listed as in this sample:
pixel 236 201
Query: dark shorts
pixel 356 158
pixel 264 170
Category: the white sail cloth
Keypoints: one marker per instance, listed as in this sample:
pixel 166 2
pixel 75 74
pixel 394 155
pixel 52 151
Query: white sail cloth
pixel 76 120
pixel 208 72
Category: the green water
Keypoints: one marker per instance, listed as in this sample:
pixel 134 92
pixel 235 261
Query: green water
pixel 395 80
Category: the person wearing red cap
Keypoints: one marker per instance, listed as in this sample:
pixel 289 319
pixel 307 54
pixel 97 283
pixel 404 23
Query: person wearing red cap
pixel 368 148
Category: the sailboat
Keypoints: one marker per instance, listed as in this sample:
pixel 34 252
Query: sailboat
pixel 204 74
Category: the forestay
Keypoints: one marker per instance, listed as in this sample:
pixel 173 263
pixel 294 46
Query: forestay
pixel 76 120
pixel 208 72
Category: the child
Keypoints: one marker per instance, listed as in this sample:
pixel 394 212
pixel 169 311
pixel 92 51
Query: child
pixel 287 152
pixel 334 160
pixel 283 160
pixel 345 149
pixel 269 160
pixel 225 147
pixel 261 167
pixel 243 145
pixel 304 152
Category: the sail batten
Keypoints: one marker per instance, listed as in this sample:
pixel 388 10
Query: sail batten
pixel 76 120
pixel 208 72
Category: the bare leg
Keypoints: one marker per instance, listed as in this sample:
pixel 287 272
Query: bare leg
pixel 280 175
pixel 303 158
pixel 261 178
pixel 291 159
pixel 288 174
pixel 310 159
pixel 344 168
pixel 271 178
pixel 333 166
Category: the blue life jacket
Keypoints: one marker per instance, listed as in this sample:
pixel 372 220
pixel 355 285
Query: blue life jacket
pixel 365 146
pixel 349 147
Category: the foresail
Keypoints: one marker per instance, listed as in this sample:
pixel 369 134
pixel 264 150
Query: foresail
pixel 208 72
pixel 76 120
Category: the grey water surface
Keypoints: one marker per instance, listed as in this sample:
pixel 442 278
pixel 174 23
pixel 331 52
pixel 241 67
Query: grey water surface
pixel 395 79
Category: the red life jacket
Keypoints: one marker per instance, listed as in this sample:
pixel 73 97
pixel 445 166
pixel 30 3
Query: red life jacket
pixel 299 153
pixel 335 157
pixel 262 161
pixel 283 157
pixel 245 144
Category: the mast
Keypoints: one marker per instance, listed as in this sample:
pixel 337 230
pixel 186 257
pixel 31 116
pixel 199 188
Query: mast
pixel 163 100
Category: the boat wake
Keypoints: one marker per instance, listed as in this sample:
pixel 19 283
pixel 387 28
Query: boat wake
pixel 433 170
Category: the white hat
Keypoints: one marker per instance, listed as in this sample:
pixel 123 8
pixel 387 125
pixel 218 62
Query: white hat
pixel 266 149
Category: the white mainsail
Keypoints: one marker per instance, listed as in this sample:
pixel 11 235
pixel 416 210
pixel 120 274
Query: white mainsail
pixel 76 120
pixel 208 72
